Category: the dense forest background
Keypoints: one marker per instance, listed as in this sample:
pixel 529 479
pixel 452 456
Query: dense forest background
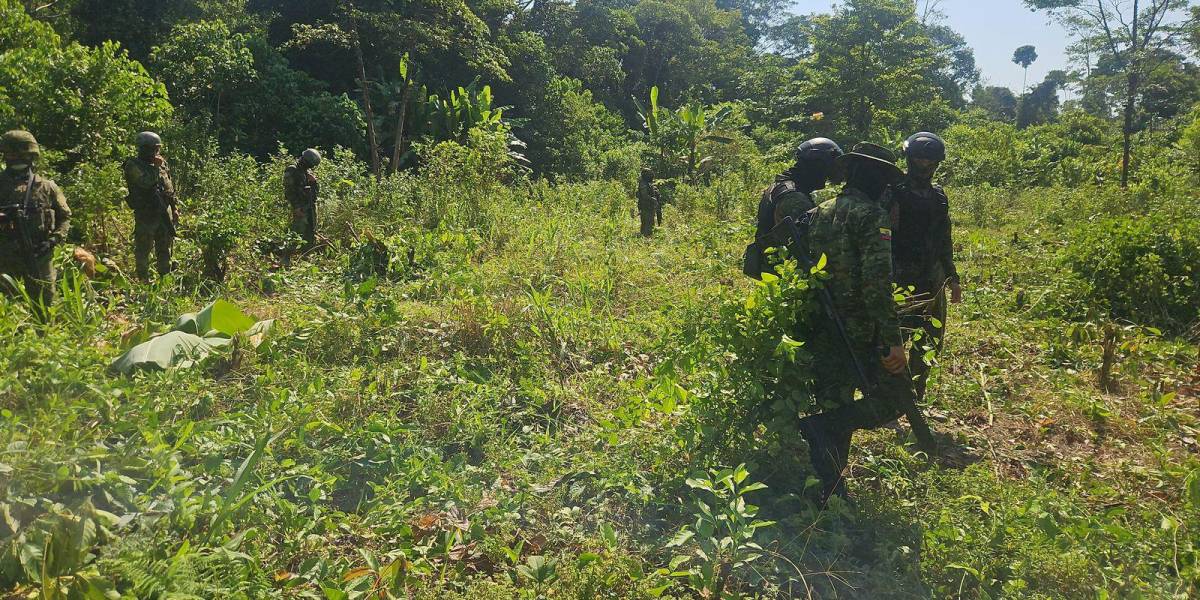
pixel 383 77
pixel 484 384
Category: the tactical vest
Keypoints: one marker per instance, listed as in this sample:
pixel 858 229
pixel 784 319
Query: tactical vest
pixel 38 214
pixel 917 218
pixel 768 203
pixel 144 201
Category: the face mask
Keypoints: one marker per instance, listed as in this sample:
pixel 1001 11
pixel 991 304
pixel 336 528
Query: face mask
pixel 923 171
pixel 17 166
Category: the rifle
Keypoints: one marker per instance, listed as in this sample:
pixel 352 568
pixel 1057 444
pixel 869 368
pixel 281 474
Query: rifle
pixel 160 196
pixel 311 192
pixel 908 405
pixel 22 221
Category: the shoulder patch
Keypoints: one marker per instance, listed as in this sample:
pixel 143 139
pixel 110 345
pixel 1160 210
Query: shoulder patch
pixel 885 234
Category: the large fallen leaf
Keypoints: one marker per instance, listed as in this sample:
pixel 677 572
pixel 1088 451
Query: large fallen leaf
pixel 217 319
pixel 174 349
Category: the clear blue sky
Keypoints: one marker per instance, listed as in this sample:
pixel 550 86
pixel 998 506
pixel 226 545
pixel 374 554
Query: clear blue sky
pixel 994 28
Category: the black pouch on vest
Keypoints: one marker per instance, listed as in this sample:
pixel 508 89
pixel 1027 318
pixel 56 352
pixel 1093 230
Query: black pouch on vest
pixel 752 261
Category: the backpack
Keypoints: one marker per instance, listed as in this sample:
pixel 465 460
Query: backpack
pixel 754 259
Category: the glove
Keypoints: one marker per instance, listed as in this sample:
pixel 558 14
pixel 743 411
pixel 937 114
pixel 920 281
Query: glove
pixel 43 248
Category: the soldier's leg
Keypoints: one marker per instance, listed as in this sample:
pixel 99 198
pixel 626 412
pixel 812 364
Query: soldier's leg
pixel 658 211
pixel 143 240
pixel 163 241
pixel 41 286
pixel 299 222
pixel 310 226
pixel 933 328
pixel 828 438
pixel 646 213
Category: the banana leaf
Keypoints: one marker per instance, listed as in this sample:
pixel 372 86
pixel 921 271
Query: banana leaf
pixel 219 319
pixel 171 350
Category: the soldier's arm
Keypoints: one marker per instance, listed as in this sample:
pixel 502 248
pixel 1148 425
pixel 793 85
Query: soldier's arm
pixel 62 215
pixel 169 186
pixel 945 246
pixel 874 236
pixel 792 204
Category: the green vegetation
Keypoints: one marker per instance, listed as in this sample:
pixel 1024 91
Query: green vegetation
pixel 488 385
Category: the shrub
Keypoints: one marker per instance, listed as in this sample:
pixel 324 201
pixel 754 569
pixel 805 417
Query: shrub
pixel 81 101
pixel 751 366
pixel 1141 270
pixel 570 133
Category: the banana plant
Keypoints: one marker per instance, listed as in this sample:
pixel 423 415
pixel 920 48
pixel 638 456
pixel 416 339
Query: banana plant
pixel 450 116
pixel 679 134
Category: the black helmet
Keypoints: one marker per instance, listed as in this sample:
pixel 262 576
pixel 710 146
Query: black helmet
pixel 926 146
pixel 311 157
pixel 818 149
pixel 148 139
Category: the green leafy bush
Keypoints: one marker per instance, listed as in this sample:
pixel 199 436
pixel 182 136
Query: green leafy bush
pixel 750 367
pixel 570 132
pixel 81 101
pixel 1141 270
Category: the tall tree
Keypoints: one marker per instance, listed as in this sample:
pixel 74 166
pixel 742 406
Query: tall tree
pixel 1025 56
pixel 1040 105
pixel 759 17
pixel 374 35
pixel 873 67
pixel 1128 31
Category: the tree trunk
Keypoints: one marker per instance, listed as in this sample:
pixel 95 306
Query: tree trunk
pixel 396 153
pixel 372 140
pixel 1127 129
pixel 1130 98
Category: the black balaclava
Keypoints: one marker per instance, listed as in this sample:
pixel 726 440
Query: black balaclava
pixel 867 178
pixel 922 175
pixel 809 175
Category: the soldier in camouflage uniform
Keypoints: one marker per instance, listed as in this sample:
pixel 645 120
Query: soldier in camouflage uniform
pixel 34 218
pixel 791 194
pixel 155 208
pixel 923 249
pixel 300 189
pixel 853 232
pixel 649 202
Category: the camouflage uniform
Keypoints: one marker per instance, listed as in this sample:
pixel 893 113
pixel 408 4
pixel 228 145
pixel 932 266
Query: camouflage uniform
pixel 300 189
pixel 649 204
pixel 149 187
pixel 783 199
pixel 923 253
pixel 47 219
pixel 853 232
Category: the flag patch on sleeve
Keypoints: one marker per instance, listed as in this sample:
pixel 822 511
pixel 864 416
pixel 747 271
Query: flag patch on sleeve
pixel 885 234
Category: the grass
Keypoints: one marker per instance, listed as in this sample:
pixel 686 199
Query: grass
pixel 487 423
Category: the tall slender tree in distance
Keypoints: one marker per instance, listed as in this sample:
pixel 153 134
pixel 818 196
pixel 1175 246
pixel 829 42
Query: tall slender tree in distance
pixel 1025 56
